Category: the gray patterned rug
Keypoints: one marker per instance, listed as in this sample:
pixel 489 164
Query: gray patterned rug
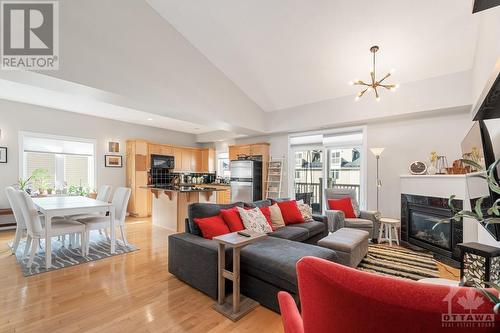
pixel 399 262
pixel 65 256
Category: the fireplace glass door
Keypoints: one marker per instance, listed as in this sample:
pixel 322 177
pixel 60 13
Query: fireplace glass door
pixel 425 227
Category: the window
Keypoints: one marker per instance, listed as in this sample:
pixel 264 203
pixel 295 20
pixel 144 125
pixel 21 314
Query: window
pixel 299 159
pixel 223 169
pixel 326 160
pixel 57 162
pixel 335 157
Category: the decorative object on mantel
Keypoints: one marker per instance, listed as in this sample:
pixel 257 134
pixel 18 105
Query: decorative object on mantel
pixel 3 154
pixel 374 85
pixel 113 161
pixel 418 168
pixel 114 147
pixel 432 169
pixel 377 152
pixel 442 164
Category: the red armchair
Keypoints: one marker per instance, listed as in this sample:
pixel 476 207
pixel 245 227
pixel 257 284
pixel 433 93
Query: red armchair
pixel 336 298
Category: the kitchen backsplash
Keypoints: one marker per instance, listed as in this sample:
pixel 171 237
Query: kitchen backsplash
pixel 162 176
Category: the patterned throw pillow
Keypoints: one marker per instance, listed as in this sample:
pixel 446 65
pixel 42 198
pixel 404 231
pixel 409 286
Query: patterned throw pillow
pixel 254 220
pixel 305 210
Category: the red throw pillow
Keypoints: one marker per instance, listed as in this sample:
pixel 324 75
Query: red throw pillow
pixel 267 214
pixel 212 226
pixel 290 212
pixel 232 219
pixel 344 204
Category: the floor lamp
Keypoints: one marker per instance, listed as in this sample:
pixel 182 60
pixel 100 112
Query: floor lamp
pixel 377 152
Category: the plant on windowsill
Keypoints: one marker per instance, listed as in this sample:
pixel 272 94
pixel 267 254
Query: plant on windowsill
pixel 23 184
pixel 492 215
pixel 82 191
pixel 40 179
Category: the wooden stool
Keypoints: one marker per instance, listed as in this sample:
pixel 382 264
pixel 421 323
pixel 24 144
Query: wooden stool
pixel 389 225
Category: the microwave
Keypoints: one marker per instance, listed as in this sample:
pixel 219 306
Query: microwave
pixel 162 162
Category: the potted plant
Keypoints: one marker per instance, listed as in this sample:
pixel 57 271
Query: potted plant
pixel 23 184
pixel 40 179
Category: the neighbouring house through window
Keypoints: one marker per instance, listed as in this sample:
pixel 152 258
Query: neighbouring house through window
pixel 326 160
pixel 57 163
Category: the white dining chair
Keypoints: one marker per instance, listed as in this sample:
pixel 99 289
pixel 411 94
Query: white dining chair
pixel 35 229
pixel 119 202
pixel 104 194
pixel 20 223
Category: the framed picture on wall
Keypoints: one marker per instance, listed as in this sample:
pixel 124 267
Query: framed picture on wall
pixel 3 154
pixel 113 161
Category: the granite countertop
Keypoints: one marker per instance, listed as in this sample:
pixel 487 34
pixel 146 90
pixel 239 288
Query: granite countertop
pixel 183 189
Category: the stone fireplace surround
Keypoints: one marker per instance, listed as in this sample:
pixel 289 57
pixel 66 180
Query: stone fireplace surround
pixel 418 217
pixel 437 189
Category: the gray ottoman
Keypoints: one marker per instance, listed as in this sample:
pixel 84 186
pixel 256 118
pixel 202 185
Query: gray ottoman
pixel 351 245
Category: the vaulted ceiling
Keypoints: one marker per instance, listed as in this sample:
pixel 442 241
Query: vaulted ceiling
pixel 285 53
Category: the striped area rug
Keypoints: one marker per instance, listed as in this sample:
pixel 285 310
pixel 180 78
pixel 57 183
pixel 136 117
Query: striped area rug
pixel 399 262
pixel 65 256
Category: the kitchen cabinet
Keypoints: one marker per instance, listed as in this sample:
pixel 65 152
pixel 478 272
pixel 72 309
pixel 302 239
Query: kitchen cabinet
pixel 138 159
pixel 137 153
pixel 186 156
pixel 196 161
pixel 207 160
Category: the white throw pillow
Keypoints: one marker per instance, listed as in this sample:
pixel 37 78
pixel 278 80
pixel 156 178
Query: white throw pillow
pixel 254 220
pixel 305 210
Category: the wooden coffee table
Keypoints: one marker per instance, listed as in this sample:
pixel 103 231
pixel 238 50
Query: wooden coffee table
pixel 238 305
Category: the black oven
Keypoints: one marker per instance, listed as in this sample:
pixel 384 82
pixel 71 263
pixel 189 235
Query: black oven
pixel 162 162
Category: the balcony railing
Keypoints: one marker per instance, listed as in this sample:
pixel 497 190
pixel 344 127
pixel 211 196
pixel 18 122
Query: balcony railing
pixel 313 192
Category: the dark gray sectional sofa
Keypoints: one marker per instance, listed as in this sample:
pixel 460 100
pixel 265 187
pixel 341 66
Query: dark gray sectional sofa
pixel 267 266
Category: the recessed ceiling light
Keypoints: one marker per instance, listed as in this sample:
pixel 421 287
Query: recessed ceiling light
pixel 150 119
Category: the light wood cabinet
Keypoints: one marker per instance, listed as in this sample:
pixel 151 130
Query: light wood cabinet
pixel 137 153
pixel 138 160
pixel 207 160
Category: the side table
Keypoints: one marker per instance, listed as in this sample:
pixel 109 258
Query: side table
pixel 479 264
pixel 389 225
pixel 238 305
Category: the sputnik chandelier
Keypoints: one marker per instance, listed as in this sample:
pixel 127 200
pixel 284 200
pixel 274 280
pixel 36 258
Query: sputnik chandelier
pixel 374 85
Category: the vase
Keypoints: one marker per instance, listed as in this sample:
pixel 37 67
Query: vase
pixel 432 169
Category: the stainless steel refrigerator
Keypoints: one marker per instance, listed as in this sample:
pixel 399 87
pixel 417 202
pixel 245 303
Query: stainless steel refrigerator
pixel 246 180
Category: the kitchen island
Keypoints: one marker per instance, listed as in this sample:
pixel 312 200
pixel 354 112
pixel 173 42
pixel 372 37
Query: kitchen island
pixel 170 203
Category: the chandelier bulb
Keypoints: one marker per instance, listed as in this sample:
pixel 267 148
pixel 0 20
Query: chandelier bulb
pixel 377 99
pixel 392 70
pixel 351 83
pixel 356 98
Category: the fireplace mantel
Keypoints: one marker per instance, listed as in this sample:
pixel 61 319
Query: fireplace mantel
pixel 442 186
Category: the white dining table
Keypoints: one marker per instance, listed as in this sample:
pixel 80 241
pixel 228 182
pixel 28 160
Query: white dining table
pixel 70 205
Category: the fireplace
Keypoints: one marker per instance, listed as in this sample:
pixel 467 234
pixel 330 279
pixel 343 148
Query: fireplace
pixel 420 228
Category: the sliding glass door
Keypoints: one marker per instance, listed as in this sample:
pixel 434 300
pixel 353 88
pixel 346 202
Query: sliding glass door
pixel 327 160
pixel 344 168
pixel 308 173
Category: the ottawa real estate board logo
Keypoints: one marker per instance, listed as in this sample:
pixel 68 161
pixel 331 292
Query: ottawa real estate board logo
pixel 30 35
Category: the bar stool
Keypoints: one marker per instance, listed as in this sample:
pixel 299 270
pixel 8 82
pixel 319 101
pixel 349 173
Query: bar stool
pixel 389 225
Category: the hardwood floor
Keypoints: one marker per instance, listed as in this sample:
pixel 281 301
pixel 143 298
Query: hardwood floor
pixel 127 293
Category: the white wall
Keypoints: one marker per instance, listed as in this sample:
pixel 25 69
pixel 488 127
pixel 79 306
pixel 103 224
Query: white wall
pixel 405 141
pixel 15 117
pixel 487 49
